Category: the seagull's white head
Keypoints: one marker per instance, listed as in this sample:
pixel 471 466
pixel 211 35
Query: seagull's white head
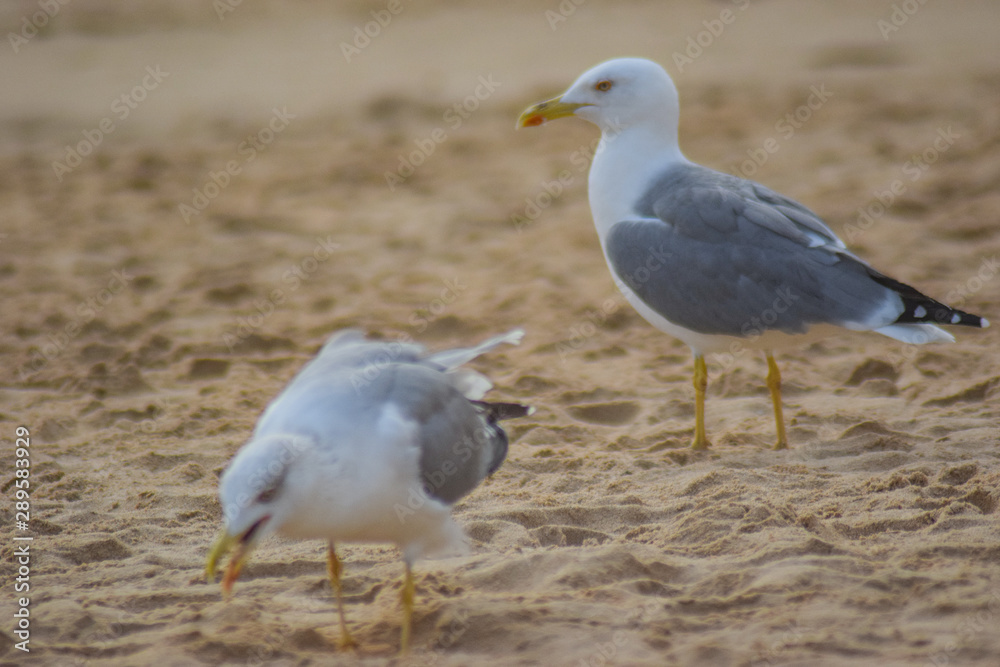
pixel 257 498
pixel 615 95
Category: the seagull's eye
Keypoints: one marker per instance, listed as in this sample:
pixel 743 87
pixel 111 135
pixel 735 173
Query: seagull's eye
pixel 268 494
pixel 603 85
pixel 271 486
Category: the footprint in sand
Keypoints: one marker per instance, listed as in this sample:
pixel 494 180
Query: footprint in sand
pixel 568 536
pixel 977 393
pixel 208 368
pixel 96 550
pixel 614 413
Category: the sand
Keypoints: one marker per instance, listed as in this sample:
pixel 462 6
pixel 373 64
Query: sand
pixel 140 341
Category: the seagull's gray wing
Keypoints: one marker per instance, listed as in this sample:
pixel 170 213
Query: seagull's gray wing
pixel 460 443
pixel 333 383
pixel 802 217
pixel 720 255
pixel 350 348
pixel 352 380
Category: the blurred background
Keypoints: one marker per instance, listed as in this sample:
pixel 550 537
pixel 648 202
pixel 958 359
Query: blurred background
pixel 230 60
pixel 194 194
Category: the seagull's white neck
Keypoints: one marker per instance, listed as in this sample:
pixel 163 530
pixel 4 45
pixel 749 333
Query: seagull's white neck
pixel 625 161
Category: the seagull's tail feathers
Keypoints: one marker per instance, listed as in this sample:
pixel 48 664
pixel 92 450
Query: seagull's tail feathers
pixel 496 411
pixel 916 334
pixel 493 413
pixel 473 385
pixel 452 359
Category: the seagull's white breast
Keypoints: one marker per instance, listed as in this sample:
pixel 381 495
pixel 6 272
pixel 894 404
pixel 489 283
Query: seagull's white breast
pixel 371 491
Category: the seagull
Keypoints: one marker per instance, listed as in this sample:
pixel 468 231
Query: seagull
pixel 720 262
pixel 370 442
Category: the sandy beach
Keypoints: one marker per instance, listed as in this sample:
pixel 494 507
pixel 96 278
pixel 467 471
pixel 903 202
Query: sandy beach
pixel 196 195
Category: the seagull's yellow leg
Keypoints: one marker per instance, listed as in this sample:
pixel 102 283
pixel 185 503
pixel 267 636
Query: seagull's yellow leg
pixel 700 384
pixel 774 384
pixel 334 568
pixel 407 595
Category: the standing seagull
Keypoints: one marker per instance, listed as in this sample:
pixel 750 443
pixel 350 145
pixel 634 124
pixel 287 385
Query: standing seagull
pixel 713 259
pixel 369 442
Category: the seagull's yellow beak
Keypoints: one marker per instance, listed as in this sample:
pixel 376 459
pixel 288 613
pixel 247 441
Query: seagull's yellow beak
pixel 222 545
pixel 546 111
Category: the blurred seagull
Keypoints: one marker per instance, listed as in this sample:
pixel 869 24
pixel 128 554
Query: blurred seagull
pixel 715 260
pixel 370 442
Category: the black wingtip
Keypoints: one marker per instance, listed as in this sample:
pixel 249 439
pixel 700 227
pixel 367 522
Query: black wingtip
pixel 918 308
pixel 500 411
pixel 932 312
pixel 494 412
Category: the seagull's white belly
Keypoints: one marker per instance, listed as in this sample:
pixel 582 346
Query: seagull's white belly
pixel 373 493
pixel 398 512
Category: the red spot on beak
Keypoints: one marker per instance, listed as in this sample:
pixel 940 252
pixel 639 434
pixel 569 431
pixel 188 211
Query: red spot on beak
pixel 534 121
